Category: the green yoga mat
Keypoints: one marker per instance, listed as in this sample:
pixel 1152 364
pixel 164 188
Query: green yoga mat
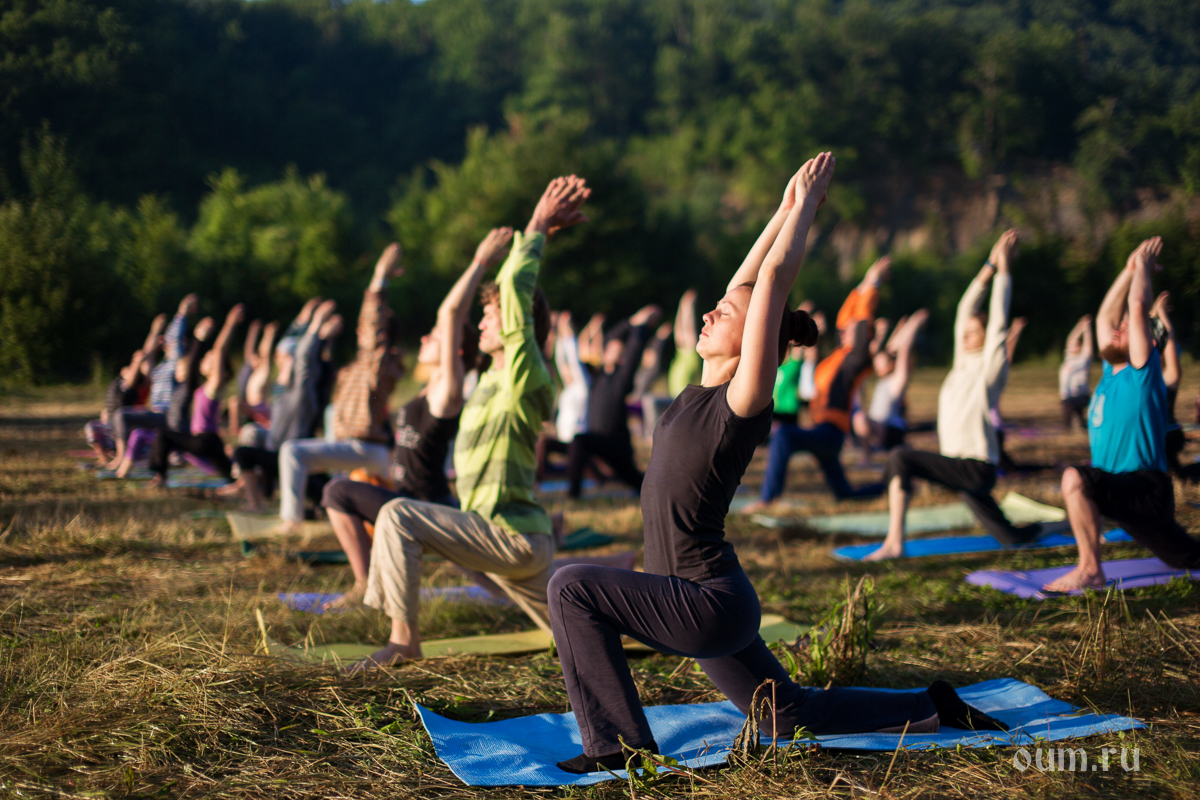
pixel 953 516
pixel 773 628
pixel 258 526
pixel 584 538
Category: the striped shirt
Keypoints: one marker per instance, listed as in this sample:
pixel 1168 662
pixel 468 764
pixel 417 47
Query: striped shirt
pixel 494 453
pixel 162 378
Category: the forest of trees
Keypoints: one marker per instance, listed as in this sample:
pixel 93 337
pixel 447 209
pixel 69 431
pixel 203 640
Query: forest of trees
pixel 265 151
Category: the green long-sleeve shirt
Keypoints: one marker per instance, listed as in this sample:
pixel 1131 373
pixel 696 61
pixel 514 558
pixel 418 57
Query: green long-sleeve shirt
pixel 494 453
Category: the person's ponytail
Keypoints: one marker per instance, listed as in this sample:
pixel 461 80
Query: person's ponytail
pixel 798 328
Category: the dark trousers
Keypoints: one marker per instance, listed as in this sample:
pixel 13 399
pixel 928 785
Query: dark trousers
pixel 973 479
pixel 250 458
pixel 128 418
pixel 204 445
pixel 713 621
pixel 364 500
pixel 1143 503
pixel 825 443
pixel 616 451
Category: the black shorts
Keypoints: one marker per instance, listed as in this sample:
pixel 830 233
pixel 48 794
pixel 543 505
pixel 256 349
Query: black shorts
pixel 1143 503
pixel 364 500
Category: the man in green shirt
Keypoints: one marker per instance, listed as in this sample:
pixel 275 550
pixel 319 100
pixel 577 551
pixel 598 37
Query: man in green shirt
pixel 501 530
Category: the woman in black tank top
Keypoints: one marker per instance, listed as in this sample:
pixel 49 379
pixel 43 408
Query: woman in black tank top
pixel 423 429
pixel 693 599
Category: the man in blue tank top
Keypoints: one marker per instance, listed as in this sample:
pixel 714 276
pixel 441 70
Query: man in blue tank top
pixel 1127 481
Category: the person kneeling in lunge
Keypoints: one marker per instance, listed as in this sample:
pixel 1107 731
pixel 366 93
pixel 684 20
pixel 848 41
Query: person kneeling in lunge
pixel 693 599
pixel 1127 481
pixel 969 448
pixel 501 531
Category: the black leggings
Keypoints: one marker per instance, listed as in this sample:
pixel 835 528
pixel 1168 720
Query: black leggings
pixel 973 479
pixel 205 445
pixel 714 621
pixel 248 458
pixel 364 500
pixel 616 451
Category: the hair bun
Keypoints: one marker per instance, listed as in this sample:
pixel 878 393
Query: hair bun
pixel 803 330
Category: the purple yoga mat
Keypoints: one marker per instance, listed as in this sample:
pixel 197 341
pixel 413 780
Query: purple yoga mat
pixel 1132 574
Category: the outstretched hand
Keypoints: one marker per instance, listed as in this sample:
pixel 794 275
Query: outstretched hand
pixel 879 272
pixel 388 265
pixel 203 328
pixel 813 178
pixel 307 311
pixel 1161 307
pixel 1147 254
pixel 645 315
pixel 236 315
pixel 491 249
pixel 559 206
pixel 189 305
pixel 918 317
pixel 1004 249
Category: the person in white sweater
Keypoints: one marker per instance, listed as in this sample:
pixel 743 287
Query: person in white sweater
pixel 966 436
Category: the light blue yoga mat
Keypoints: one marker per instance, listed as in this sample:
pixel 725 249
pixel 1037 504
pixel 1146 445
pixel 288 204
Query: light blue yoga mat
pixel 957 545
pixel 523 751
pixel 314 602
pixel 196 482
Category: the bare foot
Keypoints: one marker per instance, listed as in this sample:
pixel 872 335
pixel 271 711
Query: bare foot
pixel 1077 578
pixel 291 527
pixel 115 463
pixel 885 553
pixel 389 655
pixel 157 482
pixel 349 599
pixel 757 507
pixel 123 470
pixel 230 489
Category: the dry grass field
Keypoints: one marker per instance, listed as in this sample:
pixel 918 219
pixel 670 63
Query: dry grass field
pixel 131 664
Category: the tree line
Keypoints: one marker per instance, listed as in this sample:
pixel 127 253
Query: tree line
pixel 264 151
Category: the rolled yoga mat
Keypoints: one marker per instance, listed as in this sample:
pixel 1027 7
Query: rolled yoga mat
pixel 958 545
pixel 523 751
pixel 1019 509
pixel 1131 574
pixel 772 628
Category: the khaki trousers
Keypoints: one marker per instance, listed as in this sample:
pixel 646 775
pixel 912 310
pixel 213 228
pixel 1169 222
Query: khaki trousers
pixel 521 564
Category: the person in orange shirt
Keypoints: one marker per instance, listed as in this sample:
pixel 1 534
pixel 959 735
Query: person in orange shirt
pixel 837 377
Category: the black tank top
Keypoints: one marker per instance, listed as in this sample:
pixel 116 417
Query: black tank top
pixel 701 450
pixel 422 442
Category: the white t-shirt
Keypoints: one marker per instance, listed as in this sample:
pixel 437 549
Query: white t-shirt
pixel 1073 376
pixel 887 408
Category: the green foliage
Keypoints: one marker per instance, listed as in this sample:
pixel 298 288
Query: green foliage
pixel 274 245
pixel 434 121
pixel 59 303
pixel 837 646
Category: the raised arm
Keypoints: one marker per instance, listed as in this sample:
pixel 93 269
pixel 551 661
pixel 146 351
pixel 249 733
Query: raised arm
pixel 881 332
pixel 591 340
pixel 635 345
pixel 256 387
pixel 748 271
pixel 219 374
pixel 1170 354
pixel 250 346
pixel 754 379
pixel 445 392
pixel 558 208
pixel 685 322
pixel 901 345
pixel 1141 294
pixel 1112 308
pixel 995 342
pixel 156 330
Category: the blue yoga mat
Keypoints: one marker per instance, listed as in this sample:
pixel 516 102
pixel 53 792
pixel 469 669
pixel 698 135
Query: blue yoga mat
pixel 956 545
pixel 523 751
pixel 314 602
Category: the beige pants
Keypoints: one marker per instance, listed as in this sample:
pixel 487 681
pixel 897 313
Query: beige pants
pixel 520 564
